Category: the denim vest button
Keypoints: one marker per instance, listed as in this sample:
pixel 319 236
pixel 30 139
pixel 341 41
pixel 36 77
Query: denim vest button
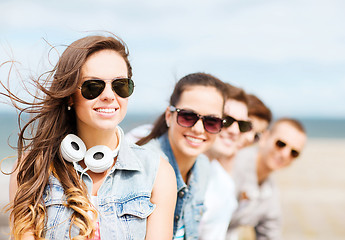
pixel 181 194
pixel 177 217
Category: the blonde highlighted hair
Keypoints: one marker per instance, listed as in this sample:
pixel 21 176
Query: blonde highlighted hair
pixel 39 141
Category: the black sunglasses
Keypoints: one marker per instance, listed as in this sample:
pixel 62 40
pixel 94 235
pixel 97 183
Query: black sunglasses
pixel 280 144
pixel 244 126
pixel 90 89
pixel 187 118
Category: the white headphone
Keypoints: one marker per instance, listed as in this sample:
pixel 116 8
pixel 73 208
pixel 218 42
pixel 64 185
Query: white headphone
pixel 97 159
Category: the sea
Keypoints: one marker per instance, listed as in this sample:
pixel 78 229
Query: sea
pixel 315 128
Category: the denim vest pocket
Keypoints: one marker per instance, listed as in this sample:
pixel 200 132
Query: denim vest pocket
pixel 132 213
pixel 57 225
pixel 137 207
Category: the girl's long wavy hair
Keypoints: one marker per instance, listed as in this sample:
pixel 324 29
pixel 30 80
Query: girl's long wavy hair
pixel 39 141
pixel 190 80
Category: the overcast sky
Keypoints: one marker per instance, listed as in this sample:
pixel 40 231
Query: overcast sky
pixel 289 53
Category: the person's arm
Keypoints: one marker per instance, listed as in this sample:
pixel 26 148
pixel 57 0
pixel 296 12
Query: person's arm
pixel 13 187
pixel 161 222
pixel 269 227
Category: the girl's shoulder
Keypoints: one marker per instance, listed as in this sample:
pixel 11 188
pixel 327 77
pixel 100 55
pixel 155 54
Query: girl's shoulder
pixel 146 155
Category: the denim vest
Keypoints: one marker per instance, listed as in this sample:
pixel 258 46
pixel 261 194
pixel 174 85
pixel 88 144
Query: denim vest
pixel 123 198
pixel 190 198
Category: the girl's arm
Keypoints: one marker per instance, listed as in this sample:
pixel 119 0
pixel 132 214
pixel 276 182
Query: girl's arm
pixel 13 187
pixel 13 184
pixel 161 222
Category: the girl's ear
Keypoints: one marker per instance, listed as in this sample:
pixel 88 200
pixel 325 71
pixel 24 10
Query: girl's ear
pixel 168 117
pixel 70 101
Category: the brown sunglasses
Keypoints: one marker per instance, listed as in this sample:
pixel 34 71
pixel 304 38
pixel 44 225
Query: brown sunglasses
pixel 280 144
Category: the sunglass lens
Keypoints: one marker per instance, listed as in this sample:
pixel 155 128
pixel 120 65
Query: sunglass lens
pixel 92 88
pixel 294 153
pixel 123 87
pixel 187 118
pixel 280 144
pixel 212 124
pixel 244 126
pixel 228 121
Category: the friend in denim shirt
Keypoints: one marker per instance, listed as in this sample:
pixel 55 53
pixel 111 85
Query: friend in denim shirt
pixel 190 197
pixel 186 130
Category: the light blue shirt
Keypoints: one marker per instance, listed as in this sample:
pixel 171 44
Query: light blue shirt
pixel 123 198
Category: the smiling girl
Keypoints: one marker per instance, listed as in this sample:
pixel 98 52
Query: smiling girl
pixel 115 190
pixel 186 130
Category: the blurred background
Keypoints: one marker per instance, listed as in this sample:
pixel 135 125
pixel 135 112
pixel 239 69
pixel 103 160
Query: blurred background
pixel 291 54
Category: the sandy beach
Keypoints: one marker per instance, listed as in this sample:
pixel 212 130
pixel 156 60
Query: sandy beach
pixel 312 193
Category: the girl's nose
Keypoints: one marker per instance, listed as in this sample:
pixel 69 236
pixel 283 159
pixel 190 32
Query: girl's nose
pixel 234 129
pixel 108 93
pixel 199 127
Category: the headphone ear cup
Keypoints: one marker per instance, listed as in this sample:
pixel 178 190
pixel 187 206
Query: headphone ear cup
pixel 99 158
pixel 72 148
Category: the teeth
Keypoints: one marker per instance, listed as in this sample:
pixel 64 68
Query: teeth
pixel 105 110
pixel 195 140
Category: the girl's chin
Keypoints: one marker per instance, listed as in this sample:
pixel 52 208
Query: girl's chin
pixel 196 150
pixel 105 128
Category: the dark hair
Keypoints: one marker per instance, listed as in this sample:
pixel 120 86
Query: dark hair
pixel 293 122
pixel 194 79
pixel 236 93
pixel 258 109
pixel 38 155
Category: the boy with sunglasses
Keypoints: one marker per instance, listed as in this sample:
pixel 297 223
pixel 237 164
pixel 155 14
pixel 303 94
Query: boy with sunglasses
pixel 258 198
pixel 220 197
pixel 260 116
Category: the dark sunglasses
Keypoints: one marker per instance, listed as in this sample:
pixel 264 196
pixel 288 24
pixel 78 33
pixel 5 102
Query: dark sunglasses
pixel 187 118
pixel 90 89
pixel 280 144
pixel 244 126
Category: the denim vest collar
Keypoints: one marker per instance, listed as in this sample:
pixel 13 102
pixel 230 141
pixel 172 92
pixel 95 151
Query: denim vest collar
pixel 189 204
pixel 166 148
